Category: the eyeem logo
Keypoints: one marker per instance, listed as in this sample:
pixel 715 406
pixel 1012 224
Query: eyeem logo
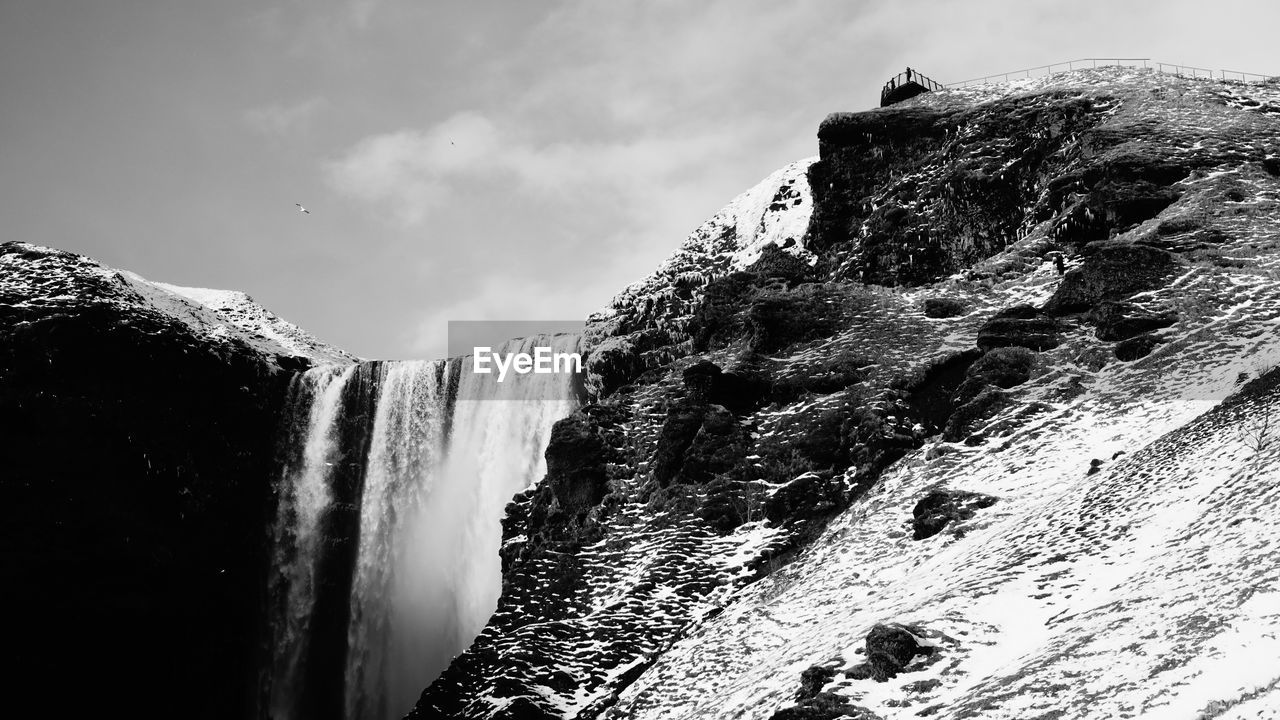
pixel 517 360
pixel 543 360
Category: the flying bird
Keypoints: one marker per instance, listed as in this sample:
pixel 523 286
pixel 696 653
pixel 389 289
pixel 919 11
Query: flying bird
pixel 302 209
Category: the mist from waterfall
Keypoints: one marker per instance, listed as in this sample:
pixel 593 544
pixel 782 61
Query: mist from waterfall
pixel 444 450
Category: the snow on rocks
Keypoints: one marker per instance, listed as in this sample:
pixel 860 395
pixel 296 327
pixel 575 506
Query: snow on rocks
pixel 32 276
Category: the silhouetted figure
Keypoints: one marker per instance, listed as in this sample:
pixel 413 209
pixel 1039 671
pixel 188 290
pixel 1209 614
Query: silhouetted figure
pixel 908 74
pixel 1059 264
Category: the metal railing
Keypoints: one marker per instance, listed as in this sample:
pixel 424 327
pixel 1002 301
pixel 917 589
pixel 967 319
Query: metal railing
pixel 1083 63
pixel 1066 66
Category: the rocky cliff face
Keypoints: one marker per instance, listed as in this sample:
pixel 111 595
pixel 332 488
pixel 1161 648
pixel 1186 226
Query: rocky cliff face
pixel 951 421
pixel 138 424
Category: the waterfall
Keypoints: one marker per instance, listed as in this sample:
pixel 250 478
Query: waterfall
pixel 306 495
pixel 440 452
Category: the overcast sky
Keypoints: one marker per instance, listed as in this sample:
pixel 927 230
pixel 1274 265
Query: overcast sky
pixel 474 160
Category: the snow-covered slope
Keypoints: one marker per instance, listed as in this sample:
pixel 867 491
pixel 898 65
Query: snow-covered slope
pixel 1145 587
pixel 774 212
pixel 657 310
pixel 1117 233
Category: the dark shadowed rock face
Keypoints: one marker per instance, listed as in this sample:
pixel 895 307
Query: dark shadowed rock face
pixel 575 465
pixel 1136 348
pixel 942 507
pixel 1117 320
pixel 969 416
pixel 1020 326
pixel 1111 272
pixel 1003 367
pixel 138 464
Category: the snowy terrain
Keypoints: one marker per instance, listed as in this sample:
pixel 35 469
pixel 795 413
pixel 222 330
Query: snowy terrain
pixel 34 274
pixel 1147 589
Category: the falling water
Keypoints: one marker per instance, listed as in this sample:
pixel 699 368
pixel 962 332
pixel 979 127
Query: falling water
pixel 446 452
pixel 315 404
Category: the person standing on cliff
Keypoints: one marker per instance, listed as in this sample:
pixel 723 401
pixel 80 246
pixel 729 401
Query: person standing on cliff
pixel 908 74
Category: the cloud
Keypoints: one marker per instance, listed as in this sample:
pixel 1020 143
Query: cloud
pixel 361 11
pixel 405 174
pixel 284 121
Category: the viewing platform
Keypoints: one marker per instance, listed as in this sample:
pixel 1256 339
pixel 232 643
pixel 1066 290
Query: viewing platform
pixel 904 85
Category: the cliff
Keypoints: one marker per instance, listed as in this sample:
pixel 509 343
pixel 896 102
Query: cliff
pixel 137 428
pixel 989 438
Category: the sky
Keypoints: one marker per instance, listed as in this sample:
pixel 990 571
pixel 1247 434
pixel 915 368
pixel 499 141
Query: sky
pixel 475 160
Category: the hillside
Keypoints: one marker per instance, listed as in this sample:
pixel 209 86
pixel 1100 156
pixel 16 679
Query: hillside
pixel 1085 453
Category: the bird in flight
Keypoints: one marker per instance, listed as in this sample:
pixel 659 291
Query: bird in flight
pixel 302 209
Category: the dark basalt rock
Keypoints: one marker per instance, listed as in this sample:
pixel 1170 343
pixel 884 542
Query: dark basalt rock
pixel 1121 320
pixel 826 706
pixel 938 508
pixel 1020 326
pixel 718 447
pixel 775 263
pixel 931 389
pixel 610 366
pixel 967 417
pixel 811 495
pixel 1111 272
pixel 138 462
pixel 697 441
pixel 706 382
pixel 1003 367
pixel 1136 348
pixel 832 374
pixel 576 465
pixel 813 680
pixel 684 420
pixel 916 232
pixel 890 648
pixel 778 319
pixel 943 307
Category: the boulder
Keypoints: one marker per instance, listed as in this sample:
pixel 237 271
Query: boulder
pixel 939 508
pixel 1116 320
pixel 813 680
pixel 1019 326
pixel 890 648
pixel 943 307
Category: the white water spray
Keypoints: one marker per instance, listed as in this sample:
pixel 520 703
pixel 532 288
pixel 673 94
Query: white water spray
pixel 315 402
pixel 442 464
